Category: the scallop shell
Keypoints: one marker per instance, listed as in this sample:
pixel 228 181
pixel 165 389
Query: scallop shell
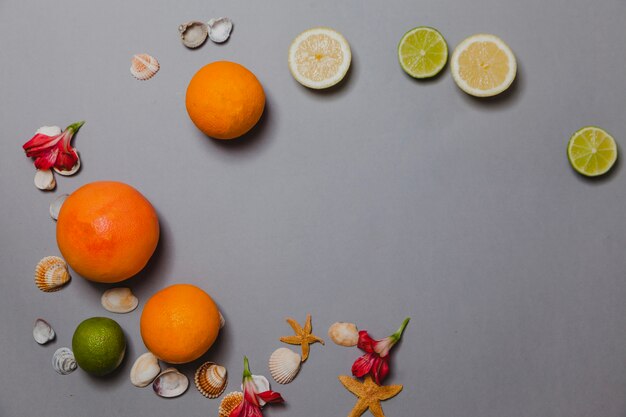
pixel 261 384
pixel 222 320
pixel 230 402
pixel 144 66
pixel 44 180
pixel 63 361
pixel 211 379
pixel 55 206
pixel 284 365
pixel 72 171
pixel 144 370
pixel 51 274
pixel 193 34
pixel 119 300
pixel 344 334
pixel 219 29
pixel 43 332
pixel 170 383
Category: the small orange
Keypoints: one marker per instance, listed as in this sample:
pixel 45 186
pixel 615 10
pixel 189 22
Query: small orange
pixel 107 231
pixel 179 323
pixel 224 100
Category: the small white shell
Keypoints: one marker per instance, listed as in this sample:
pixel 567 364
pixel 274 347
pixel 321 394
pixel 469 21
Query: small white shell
pixel 49 130
pixel 211 379
pixel 344 334
pixel 229 403
pixel 119 300
pixel 44 180
pixel 72 171
pixel 63 361
pixel 55 206
pixel 170 383
pixel 43 332
pixel 193 34
pixel 222 320
pixel 51 274
pixel 144 66
pixel 144 370
pixel 261 384
pixel 284 365
pixel 219 29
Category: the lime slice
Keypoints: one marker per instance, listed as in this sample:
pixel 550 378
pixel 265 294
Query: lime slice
pixel 592 151
pixel 422 52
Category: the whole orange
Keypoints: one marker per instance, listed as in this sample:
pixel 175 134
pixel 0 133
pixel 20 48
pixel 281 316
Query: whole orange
pixel 107 231
pixel 224 100
pixel 179 323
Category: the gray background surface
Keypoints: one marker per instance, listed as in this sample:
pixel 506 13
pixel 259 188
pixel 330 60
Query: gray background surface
pixel 382 198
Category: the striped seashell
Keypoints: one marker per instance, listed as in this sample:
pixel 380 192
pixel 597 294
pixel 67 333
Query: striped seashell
pixel 211 379
pixel 63 361
pixel 284 365
pixel 144 66
pixel 51 274
pixel 230 402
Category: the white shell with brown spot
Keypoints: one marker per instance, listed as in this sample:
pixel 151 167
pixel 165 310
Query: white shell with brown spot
pixel 119 300
pixel 344 334
pixel 144 370
pixel 144 66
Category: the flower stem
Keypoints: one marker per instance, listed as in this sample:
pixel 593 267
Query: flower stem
pixel 246 368
pixel 398 334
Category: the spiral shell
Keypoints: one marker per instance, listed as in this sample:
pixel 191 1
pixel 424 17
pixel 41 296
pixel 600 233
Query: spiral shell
pixel 63 361
pixel 230 402
pixel 51 274
pixel 170 383
pixel 144 66
pixel 344 334
pixel 284 365
pixel 43 332
pixel 211 379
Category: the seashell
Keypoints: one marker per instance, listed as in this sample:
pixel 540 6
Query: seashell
pixel 72 171
pixel 119 300
pixel 219 29
pixel 43 332
pixel 170 383
pixel 344 334
pixel 193 34
pixel 261 384
pixel 211 379
pixel 144 66
pixel 230 402
pixel 144 370
pixel 63 361
pixel 222 320
pixel 51 274
pixel 44 180
pixel 284 365
pixel 55 206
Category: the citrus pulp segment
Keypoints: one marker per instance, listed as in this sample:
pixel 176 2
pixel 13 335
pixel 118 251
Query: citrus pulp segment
pixel 483 65
pixel 319 57
pixel 592 151
pixel 422 52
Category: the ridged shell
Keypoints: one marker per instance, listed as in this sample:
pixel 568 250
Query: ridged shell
pixel 193 34
pixel 144 370
pixel 43 332
pixel 44 180
pixel 51 274
pixel 211 379
pixel 222 320
pixel 55 206
pixel 230 402
pixel 63 361
pixel 119 300
pixel 219 29
pixel 144 66
pixel 284 365
pixel 344 334
pixel 170 383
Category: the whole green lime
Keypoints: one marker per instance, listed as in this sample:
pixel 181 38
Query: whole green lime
pixel 99 345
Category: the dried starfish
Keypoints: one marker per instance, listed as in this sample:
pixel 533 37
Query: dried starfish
pixel 370 395
pixel 303 337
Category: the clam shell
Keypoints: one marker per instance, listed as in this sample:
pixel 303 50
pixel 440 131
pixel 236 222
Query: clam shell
pixel 222 320
pixel 144 66
pixel 144 370
pixel 119 300
pixel 72 171
pixel 211 379
pixel 193 34
pixel 44 180
pixel 43 332
pixel 55 206
pixel 344 334
pixel 63 361
pixel 51 274
pixel 230 402
pixel 219 29
pixel 261 384
pixel 284 365
pixel 170 383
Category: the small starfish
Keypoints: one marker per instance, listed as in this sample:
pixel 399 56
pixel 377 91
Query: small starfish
pixel 302 337
pixel 370 395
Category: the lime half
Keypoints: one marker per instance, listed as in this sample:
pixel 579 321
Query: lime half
pixel 422 52
pixel 592 151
